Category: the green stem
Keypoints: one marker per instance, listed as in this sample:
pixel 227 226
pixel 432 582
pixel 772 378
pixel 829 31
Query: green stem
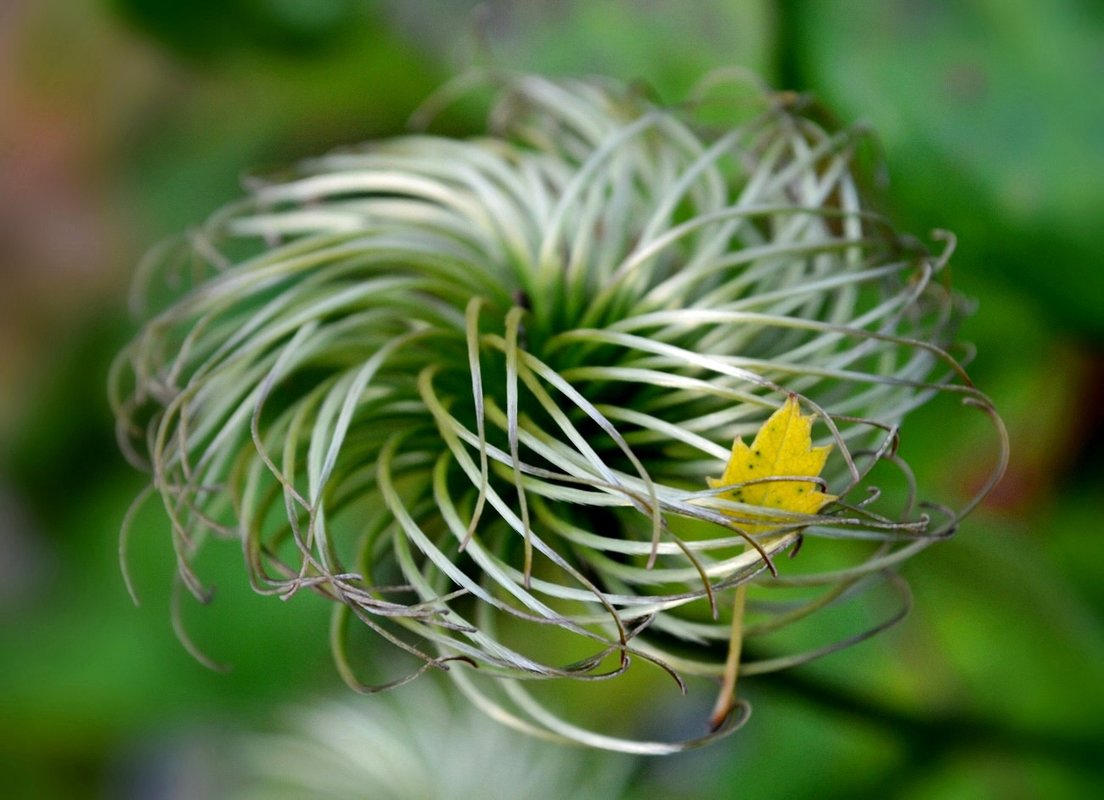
pixel 726 700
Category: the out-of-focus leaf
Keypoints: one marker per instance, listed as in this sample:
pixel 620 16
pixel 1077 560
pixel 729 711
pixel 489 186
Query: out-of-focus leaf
pixel 206 27
pixel 993 126
pixel 255 113
pixel 85 665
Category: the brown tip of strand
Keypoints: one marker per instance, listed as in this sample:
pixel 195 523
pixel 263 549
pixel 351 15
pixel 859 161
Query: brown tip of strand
pixel 720 715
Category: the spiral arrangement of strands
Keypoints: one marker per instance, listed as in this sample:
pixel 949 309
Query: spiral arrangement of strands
pixel 471 390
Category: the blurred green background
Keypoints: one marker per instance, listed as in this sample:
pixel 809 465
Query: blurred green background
pixel 122 121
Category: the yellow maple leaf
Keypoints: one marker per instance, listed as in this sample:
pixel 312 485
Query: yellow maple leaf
pixel 783 448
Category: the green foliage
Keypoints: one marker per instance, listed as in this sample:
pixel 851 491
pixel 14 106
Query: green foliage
pixel 991 117
pixel 1009 164
pixel 205 28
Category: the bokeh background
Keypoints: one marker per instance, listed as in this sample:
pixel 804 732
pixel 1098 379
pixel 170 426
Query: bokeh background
pixel 123 121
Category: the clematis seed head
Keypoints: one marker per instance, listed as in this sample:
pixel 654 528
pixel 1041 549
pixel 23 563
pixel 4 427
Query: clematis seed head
pixel 473 392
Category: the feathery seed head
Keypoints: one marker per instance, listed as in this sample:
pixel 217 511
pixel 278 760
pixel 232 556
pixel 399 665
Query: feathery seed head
pixel 472 391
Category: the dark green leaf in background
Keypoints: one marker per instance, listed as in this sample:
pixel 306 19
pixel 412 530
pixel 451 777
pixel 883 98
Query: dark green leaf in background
pixel 205 28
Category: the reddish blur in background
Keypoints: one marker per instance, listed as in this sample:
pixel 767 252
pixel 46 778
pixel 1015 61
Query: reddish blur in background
pixel 122 121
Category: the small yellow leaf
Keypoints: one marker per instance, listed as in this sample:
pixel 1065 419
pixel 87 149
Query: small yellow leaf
pixel 783 447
